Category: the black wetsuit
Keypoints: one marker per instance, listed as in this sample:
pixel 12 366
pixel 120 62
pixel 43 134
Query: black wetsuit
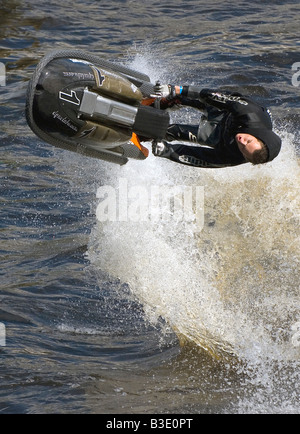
pixel 224 115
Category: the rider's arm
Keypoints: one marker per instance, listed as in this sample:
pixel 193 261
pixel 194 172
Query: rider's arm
pixel 195 96
pixel 221 100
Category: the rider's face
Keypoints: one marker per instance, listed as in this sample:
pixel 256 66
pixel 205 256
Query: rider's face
pixel 247 144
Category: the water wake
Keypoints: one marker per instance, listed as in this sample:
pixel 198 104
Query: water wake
pixel 232 285
pixel 228 283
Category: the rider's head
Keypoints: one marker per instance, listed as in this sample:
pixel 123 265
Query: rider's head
pixel 259 148
pixel 253 149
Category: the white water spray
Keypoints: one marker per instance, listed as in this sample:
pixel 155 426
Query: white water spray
pixel 231 287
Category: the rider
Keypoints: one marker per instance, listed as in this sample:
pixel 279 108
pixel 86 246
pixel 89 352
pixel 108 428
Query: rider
pixel 233 129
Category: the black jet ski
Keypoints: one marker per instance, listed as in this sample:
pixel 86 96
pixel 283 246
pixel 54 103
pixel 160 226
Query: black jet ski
pixel 82 103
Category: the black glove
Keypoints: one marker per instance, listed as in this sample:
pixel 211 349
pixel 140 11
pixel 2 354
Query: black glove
pixel 161 149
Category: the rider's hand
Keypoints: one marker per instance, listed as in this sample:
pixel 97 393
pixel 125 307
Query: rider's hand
pixel 161 149
pixel 165 90
pixel 162 90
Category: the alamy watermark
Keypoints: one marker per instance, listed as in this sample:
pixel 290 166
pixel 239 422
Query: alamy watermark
pixel 296 75
pixel 151 203
pixel 2 74
pixel 2 335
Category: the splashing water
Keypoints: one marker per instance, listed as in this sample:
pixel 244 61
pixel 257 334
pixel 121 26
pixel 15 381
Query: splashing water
pixel 229 285
pixel 240 269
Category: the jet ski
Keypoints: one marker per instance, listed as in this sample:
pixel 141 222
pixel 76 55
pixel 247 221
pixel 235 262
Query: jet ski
pixel 98 108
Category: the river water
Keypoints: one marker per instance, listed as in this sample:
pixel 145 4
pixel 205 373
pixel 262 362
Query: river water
pixel 151 315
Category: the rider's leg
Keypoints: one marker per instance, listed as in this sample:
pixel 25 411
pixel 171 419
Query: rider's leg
pixel 187 133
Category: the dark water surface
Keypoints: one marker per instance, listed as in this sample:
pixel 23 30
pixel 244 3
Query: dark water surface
pixel 94 313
